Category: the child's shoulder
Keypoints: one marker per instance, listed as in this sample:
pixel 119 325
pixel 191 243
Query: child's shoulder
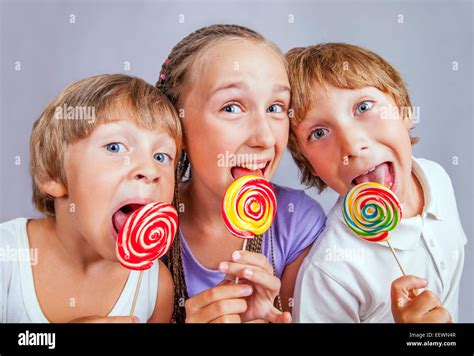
pixel 12 231
pixel 296 199
pixel 433 171
pixel 163 306
pixel 437 180
pixel 297 211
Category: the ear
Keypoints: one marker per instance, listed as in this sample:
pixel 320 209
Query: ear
pixel 54 188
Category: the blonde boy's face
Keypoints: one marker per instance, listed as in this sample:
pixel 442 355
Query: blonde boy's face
pixel 355 136
pixel 236 114
pixel 111 173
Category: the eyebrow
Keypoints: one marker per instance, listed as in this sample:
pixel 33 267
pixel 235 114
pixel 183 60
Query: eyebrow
pixel 230 85
pixel 241 85
pixel 281 88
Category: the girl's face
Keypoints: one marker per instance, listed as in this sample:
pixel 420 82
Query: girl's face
pixel 235 114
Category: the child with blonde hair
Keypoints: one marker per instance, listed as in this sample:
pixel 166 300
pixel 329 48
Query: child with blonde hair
pixel 105 146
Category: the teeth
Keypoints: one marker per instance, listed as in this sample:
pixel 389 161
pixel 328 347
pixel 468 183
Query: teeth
pixel 371 170
pixel 254 167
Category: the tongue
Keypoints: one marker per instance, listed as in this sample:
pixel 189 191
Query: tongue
pixel 238 172
pixel 119 219
pixel 380 175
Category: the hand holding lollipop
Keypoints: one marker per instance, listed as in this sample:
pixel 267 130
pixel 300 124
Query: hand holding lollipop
pixel 146 236
pixel 249 207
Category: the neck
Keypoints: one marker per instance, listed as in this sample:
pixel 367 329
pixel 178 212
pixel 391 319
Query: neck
pixel 202 209
pixel 71 244
pixel 414 198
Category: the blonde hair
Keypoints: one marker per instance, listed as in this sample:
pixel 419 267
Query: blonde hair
pixel 343 66
pixel 175 74
pixel 109 97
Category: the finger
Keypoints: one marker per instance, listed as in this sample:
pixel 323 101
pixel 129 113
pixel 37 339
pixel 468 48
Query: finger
pixel 253 274
pixel 401 287
pixel 437 315
pixel 277 317
pixel 220 292
pixel 218 309
pixel 227 280
pixel 425 302
pixel 227 319
pixel 252 258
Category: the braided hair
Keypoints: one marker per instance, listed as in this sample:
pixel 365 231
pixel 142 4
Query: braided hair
pixel 173 75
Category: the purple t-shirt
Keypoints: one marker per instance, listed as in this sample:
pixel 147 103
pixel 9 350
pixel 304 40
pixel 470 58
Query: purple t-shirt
pixel 298 222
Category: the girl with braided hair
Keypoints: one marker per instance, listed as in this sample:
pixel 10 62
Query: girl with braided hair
pixel 231 90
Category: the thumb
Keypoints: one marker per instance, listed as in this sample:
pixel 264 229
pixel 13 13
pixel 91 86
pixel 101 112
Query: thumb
pixel 404 288
pixel 275 316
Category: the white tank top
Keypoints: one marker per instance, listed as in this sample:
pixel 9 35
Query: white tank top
pixel 18 300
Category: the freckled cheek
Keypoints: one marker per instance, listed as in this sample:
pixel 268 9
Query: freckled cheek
pixel 92 186
pixel 282 136
pixel 325 164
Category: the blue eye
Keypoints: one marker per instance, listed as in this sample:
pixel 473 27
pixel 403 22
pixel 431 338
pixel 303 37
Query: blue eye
pixel 318 134
pixel 364 106
pixel 162 157
pixel 115 147
pixel 275 108
pixel 232 109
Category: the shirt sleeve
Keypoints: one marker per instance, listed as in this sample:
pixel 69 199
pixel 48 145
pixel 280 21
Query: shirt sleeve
pixel 321 299
pixel 310 222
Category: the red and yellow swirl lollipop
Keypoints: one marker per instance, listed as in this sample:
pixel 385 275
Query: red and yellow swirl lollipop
pixel 146 235
pixel 249 207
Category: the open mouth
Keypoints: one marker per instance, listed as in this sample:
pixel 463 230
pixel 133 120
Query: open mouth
pixel 256 169
pixel 122 214
pixel 383 173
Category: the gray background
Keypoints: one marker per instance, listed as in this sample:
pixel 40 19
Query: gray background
pixel 53 53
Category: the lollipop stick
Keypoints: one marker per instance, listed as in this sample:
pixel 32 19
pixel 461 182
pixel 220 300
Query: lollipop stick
pixel 243 249
pixel 396 258
pixel 137 289
pixel 413 292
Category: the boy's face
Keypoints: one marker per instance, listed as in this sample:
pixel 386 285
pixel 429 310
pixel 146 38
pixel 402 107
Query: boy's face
pixel 111 173
pixel 355 136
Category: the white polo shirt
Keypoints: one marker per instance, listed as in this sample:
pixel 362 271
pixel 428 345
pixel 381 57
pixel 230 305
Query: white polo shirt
pixel 347 279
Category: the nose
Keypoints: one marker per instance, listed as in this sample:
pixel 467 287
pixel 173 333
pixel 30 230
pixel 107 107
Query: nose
pixel 354 142
pixel 262 132
pixel 146 170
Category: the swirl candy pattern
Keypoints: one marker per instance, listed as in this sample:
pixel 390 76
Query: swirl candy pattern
pixel 249 206
pixel 371 211
pixel 146 236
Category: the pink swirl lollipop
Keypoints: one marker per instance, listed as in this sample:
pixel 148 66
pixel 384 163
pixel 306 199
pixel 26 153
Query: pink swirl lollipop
pixel 146 236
